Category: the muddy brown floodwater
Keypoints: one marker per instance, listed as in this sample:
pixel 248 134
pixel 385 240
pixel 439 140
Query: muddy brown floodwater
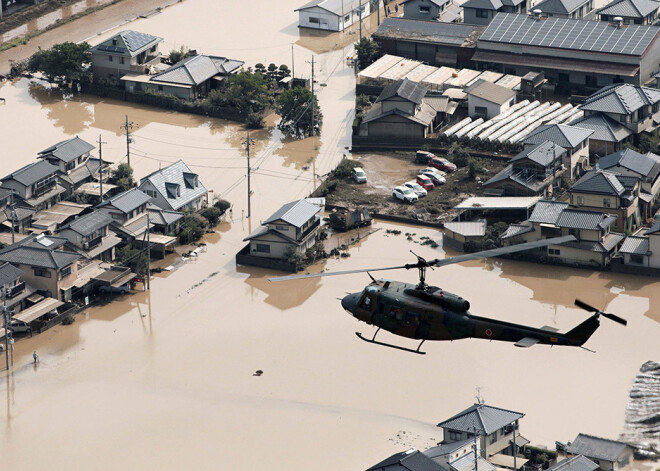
pixel 164 379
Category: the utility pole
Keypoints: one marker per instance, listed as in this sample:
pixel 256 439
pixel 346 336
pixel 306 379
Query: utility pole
pixel 148 253
pixel 128 126
pixel 378 11
pixel 12 213
pixel 6 319
pixel 293 64
pixel 101 165
pixel 360 15
pixel 247 142
pixel 311 133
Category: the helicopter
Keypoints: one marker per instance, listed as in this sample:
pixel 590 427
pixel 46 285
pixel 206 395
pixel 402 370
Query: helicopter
pixel 424 312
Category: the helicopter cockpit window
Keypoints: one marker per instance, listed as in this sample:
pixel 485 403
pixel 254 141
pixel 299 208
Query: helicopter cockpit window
pixel 366 302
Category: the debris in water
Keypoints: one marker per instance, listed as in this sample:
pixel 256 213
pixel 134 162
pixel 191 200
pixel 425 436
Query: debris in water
pixel 258 373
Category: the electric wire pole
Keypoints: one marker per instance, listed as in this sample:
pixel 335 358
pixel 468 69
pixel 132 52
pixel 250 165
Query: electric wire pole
pixel 128 126
pixel 148 253
pixel 311 133
pixel 6 319
pixel 360 14
pixel 247 142
pixel 101 165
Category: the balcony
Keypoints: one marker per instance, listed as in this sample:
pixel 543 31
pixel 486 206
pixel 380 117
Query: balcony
pixel 92 243
pixel 143 67
pixel 16 290
pixel 42 188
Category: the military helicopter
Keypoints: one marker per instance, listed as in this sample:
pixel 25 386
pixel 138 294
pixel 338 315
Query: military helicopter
pixel 424 312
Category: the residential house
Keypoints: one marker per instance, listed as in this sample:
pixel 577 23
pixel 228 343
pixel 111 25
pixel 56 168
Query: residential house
pixel 458 456
pixel 58 215
pixel 424 9
pixel 332 15
pixel 433 42
pixel 609 135
pixel 35 186
pixel 532 172
pixel 487 100
pixel 595 245
pixel 575 140
pixel 645 167
pixel 600 54
pixel 411 460
pixel 45 265
pixel 643 250
pixel 609 455
pixel 15 291
pixel 638 12
pixel 90 236
pixel 176 188
pixel 164 221
pixel 600 190
pixel 190 78
pixel 76 166
pixel 635 107
pixel 292 228
pixel 576 9
pixel 482 12
pixel 494 427
pixel 125 52
pixel 400 111
pixel 576 463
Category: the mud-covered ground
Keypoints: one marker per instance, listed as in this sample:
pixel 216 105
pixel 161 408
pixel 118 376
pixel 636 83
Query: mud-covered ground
pixel 385 171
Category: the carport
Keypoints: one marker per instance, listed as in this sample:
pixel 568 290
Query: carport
pixel 33 313
pixel 493 203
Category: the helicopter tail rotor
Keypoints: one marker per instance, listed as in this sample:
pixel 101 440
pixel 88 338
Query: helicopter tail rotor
pixel 612 317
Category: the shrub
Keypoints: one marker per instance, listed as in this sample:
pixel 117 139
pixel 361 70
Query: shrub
pixel 68 320
pixel 254 121
pixel 344 168
pixel 193 229
pixel 461 157
pixel 212 215
pixel 222 205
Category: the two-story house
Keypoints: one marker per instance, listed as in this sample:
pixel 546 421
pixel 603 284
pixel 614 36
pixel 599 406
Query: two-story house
pixel 600 190
pixel 576 9
pixel 72 158
pixel 530 173
pixel 609 136
pixel 293 227
pixel 35 186
pixel 400 111
pixel 595 244
pixel 575 140
pixel 127 51
pixel 424 9
pixel 128 211
pixel 642 250
pixel 496 430
pixel 609 455
pixel 458 456
pixel 638 12
pixel 90 236
pixel 45 265
pixel 175 188
pixel 481 12
pixel 15 291
pixel 633 106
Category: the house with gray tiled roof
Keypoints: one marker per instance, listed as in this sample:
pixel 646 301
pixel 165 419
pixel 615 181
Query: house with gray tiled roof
pixel 458 456
pixel 90 236
pixel 642 250
pixel 190 78
pixel 411 460
pixel 572 138
pixel 576 463
pixel 481 12
pixel 125 52
pixel 125 209
pixel 595 246
pixel 292 228
pixel 16 290
pixel 576 9
pixel 176 188
pixel 639 12
pixel 607 454
pixel 602 190
pixel 609 135
pixel 633 106
pixel 530 173
pixel 36 185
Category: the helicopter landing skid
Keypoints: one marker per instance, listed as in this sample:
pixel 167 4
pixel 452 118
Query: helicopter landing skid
pixel 373 340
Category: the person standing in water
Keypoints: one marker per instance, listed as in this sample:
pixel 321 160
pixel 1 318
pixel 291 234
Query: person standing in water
pixel 35 357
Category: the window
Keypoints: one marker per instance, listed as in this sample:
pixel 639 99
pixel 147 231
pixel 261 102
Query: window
pixel 455 435
pixel 314 20
pixel 109 58
pixel 580 200
pixel 554 252
pixel 563 77
pixel 493 437
pixel 65 272
pixel 623 118
pixel 575 233
pixel 606 203
pixel 481 110
pixel 42 272
pixel 153 49
pixel 70 165
pixel 114 41
pixel 281 228
pixel 121 60
pixel 424 9
pixel 481 13
pixel 635 258
pixel 263 248
pixel 347 18
pixel 160 88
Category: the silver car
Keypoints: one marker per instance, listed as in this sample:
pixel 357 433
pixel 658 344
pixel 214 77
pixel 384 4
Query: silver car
pixel 404 193
pixel 416 187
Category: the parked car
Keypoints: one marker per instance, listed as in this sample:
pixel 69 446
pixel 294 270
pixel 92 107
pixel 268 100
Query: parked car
pixel 425 182
pixel 419 190
pixel 358 175
pixel 404 193
pixel 436 176
pixel 123 289
pixel 19 327
pixel 442 164
pixel 423 157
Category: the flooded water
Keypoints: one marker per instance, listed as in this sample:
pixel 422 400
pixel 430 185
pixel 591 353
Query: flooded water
pixel 164 379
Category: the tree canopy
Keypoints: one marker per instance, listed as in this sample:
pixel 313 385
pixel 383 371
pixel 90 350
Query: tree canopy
pixel 64 62
pixel 122 176
pixel 367 52
pixel 247 91
pixel 293 106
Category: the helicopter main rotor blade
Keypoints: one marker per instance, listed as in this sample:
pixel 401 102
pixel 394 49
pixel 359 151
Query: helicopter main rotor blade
pixel 612 317
pixel 585 306
pixel 441 262
pixel 333 273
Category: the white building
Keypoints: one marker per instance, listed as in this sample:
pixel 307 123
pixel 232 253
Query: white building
pixel 332 15
pixel 487 100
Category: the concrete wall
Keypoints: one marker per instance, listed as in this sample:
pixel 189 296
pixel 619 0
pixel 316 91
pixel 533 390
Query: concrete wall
pixel 106 65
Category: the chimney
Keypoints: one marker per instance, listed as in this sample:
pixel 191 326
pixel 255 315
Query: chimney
pixel 618 22
pixel 537 14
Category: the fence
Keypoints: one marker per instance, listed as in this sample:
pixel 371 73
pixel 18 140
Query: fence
pixel 57 319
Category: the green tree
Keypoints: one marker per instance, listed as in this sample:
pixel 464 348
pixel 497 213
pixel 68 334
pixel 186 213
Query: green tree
pixel 367 52
pixel 133 258
pixel 176 56
pixel 461 157
pixel 260 69
pixel 272 72
pixel 248 92
pixel 283 72
pixel 294 107
pixel 212 215
pixel 64 62
pixel 122 176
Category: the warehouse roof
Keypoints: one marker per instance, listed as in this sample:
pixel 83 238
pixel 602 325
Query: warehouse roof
pixel 568 33
pixel 436 32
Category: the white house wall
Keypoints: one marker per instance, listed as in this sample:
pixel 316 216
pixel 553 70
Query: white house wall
pixel 493 109
pixel 327 20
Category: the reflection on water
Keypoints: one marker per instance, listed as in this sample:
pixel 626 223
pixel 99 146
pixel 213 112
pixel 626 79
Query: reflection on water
pixel 65 110
pixel 280 295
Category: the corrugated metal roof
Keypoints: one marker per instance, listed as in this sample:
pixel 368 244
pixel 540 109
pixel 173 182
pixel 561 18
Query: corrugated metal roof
pixel 588 220
pixel 190 187
pixel 87 224
pixel 466 463
pixel 560 6
pixel 407 89
pixel 9 273
pixel 621 98
pixel 296 213
pixel 33 173
pixel 482 418
pixel 453 34
pixel 629 159
pixel 468 228
pixel 568 33
pixel 595 447
pixel 127 201
pixel 576 463
pixel 629 8
pixel 490 92
pixel 67 150
pixel 547 212
pixel 504 202
pixel 543 154
pixel 563 135
pixel 600 182
pixel 604 128
pixel 635 245
pixel 195 70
